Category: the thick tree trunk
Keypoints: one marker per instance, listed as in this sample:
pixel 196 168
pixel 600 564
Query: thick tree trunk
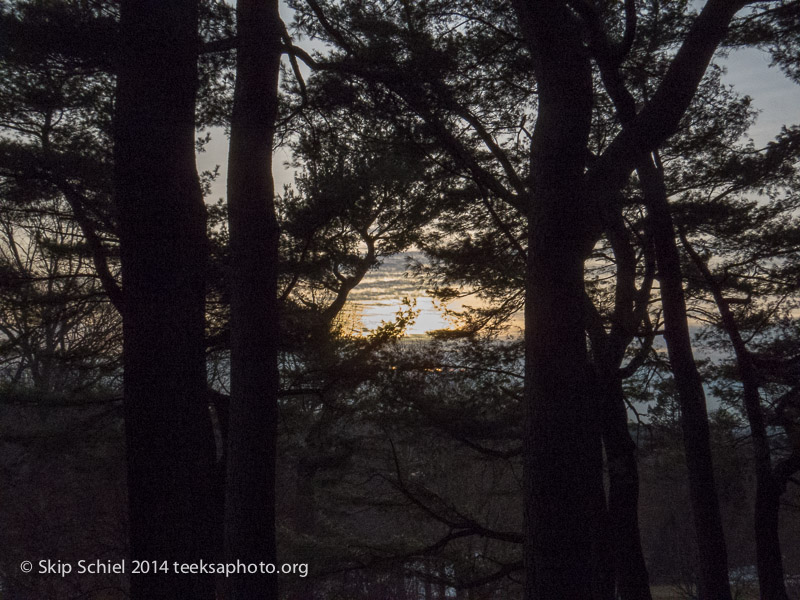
pixel 713 575
pixel 603 579
pixel 563 466
pixel 250 483
pixel 170 445
pixel 563 482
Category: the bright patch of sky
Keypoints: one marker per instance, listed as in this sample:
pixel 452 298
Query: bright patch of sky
pixel 774 95
pixel 379 297
pixel 382 293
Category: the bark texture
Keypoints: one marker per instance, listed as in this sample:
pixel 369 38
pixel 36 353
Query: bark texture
pixel 253 228
pixel 563 468
pixel 170 446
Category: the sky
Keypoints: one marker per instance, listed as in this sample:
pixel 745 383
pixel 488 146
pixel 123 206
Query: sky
pixel 380 295
pixel 777 97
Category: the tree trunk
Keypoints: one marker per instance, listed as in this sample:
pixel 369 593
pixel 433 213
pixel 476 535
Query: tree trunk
pixel 608 349
pixel 603 580
pixel 563 492
pixel 713 576
pixel 170 444
pixel 685 72
pixel 769 561
pixel 630 569
pixel 253 227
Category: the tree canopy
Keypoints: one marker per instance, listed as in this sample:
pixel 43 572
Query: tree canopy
pixel 583 164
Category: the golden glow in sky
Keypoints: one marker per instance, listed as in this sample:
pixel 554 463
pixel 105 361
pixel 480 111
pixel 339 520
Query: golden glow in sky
pixel 380 296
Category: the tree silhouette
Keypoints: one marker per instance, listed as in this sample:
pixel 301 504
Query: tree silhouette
pixel 163 248
pixel 253 234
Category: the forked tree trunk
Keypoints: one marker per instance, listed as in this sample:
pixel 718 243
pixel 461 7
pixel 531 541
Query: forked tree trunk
pixel 170 445
pixel 253 228
pixel 713 567
pixel 709 26
pixel 769 560
pixel 608 349
pixel 563 492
